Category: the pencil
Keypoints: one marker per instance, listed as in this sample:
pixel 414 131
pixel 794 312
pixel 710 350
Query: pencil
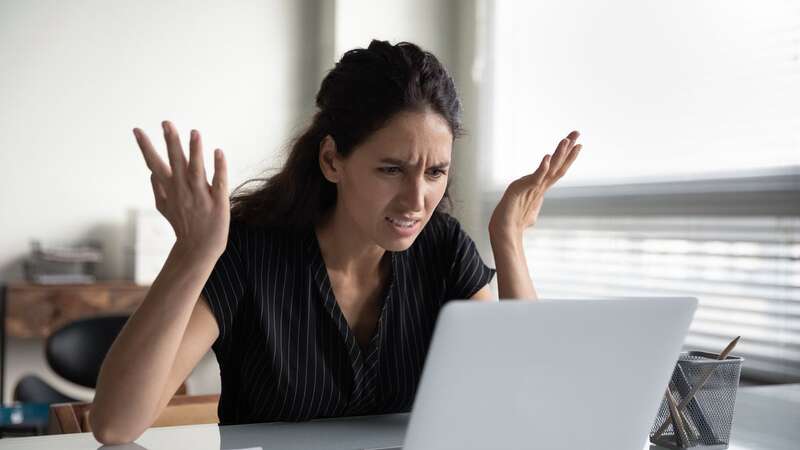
pixel 698 386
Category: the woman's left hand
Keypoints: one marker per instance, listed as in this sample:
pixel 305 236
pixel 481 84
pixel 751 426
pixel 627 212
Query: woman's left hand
pixel 522 201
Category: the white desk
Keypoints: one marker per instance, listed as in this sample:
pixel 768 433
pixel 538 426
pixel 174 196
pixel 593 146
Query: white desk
pixel 767 418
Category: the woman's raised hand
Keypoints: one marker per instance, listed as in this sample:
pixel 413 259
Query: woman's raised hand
pixel 519 208
pixel 198 212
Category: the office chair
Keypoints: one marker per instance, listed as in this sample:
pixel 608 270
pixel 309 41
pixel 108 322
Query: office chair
pixel 75 352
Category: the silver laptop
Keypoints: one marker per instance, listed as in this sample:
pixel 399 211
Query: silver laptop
pixel 560 374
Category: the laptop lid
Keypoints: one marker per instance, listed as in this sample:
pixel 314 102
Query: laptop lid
pixel 547 374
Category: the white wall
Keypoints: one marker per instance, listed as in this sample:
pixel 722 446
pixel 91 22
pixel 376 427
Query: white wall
pixel 77 76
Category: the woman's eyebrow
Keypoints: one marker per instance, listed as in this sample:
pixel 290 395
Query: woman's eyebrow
pixel 398 162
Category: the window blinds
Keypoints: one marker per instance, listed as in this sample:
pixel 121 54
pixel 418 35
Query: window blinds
pixel 745 272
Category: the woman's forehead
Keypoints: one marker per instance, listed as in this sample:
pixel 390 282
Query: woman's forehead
pixel 410 136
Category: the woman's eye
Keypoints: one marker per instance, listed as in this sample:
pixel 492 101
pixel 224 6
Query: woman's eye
pixel 392 170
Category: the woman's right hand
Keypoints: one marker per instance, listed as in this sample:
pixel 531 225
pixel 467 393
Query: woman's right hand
pixel 198 212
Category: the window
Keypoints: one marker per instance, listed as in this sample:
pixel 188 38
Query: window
pixel 657 88
pixel 689 183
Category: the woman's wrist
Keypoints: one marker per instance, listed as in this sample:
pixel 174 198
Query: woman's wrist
pixel 182 277
pixel 513 279
pixel 190 252
pixel 187 260
pixel 505 239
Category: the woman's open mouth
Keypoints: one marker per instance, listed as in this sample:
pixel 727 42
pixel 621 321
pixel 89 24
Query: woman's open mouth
pixel 403 227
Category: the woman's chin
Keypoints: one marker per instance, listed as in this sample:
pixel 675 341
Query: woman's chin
pixel 398 246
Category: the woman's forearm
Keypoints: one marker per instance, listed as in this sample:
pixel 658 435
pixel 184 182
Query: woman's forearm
pixel 136 368
pixel 513 279
pixel 517 211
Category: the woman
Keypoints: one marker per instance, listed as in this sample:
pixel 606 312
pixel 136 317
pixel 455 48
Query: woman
pixel 318 291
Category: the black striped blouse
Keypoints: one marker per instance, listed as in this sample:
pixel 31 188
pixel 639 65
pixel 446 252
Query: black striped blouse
pixel 285 350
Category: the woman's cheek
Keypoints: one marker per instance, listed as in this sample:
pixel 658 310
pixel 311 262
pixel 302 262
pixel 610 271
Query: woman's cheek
pixel 378 191
pixel 438 193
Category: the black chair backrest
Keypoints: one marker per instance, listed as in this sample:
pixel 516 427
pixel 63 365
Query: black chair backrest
pixel 76 351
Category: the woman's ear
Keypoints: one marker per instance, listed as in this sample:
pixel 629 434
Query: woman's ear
pixel 329 161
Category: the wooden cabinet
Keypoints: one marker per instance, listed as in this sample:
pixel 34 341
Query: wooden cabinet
pixel 36 310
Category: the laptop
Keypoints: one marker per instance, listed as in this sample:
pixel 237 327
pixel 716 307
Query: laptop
pixel 558 374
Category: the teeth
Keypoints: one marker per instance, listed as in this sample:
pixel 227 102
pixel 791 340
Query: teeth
pixel 402 223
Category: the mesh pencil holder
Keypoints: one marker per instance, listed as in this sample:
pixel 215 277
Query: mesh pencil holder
pixel 703 389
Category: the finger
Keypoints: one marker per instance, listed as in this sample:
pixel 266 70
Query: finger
pixel 197 170
pixel 219 184
pixel 177 160
pixel 563 151
pixel 573 136
pixel 559 156
pixel 570 159
pixel 535 179
pixel 159 193
pixel 151 158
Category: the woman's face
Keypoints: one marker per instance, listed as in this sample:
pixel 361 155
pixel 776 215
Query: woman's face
pixel 390 185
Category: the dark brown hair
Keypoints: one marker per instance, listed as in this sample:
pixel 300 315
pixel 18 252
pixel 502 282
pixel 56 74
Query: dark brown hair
pixel 362 92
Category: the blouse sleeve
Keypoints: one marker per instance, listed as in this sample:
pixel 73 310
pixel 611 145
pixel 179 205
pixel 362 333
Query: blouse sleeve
pixel 468 273
pixel 225 286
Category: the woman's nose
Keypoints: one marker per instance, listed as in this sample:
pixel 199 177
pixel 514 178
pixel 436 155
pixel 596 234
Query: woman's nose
pixel 413 195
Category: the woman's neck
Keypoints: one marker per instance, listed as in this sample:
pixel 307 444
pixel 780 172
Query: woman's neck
pixel 345 251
